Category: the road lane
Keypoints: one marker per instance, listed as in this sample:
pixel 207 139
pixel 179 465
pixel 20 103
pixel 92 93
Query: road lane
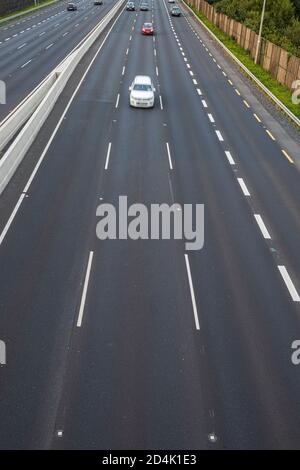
pixel 138 373
pixel 138 346
pixel 273 181
pixel 235 247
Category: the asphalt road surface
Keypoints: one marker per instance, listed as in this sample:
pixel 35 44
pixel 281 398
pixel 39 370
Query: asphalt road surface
pixel 124 344
pixel 32 45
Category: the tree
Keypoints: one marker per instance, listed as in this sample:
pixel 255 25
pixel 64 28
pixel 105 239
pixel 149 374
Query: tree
pixel 281 25
pixel 296 4
pixel 293 33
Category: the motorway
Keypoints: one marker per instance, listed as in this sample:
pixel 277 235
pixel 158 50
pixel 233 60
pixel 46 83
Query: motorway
pixel 139 344
pixel 31 46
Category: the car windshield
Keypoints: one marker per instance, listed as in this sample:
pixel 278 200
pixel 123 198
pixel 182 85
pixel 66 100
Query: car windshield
pixel 142 87
pixel 148 25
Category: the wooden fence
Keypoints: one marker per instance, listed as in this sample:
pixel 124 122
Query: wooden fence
pixel 278 62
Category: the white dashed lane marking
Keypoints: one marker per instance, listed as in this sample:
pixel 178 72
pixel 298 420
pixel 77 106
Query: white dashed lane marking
pixel 229 157
pixel 289 283
pixel 262 226
pixel 243 187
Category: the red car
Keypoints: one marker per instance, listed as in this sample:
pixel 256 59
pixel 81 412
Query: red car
pixel 148 29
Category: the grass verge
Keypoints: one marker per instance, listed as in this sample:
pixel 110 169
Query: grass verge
pixel 42 3
pixel 280 91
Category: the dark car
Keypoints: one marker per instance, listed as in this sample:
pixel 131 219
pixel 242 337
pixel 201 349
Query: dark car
pixel 71 7
pixel 175 11
pixel 144 6
pixel 130 6
pixel 98 2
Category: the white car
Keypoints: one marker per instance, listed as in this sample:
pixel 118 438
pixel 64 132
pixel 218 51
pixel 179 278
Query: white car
pixel 142 92
pixel 171 1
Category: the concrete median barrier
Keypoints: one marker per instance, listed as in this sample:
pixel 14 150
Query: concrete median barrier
pixel 12 123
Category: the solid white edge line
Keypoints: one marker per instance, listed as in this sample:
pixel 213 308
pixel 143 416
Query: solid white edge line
pixel 85 288
pixel 11 218
pixel 262 226
pixel 289 283
pixel 187 263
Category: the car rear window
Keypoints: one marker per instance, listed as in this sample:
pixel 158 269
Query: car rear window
pixel 142 87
